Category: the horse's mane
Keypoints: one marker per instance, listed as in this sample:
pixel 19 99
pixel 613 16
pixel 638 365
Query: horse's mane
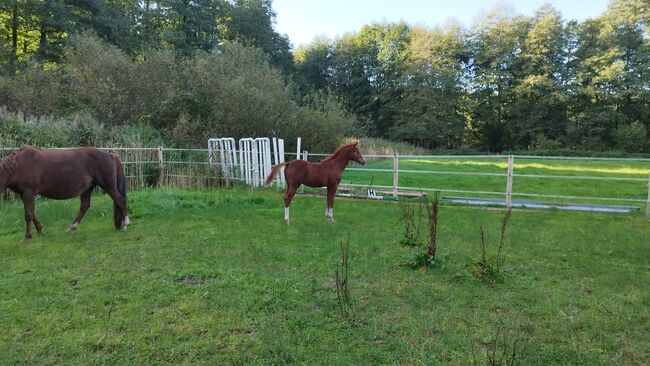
pixel 339 150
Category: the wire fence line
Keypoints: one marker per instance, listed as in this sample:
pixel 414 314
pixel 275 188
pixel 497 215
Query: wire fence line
pixel 178 167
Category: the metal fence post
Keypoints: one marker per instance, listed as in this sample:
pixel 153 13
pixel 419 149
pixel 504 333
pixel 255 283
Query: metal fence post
pixel 395 173
pixel 647 204
pixel 161 162
pixel 511 163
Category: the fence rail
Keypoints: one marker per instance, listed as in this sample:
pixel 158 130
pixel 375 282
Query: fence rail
pixel 150 166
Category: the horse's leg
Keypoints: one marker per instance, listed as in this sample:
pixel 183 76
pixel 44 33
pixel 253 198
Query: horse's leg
pixel 329 212
pixel 288 196
pixel 85 205
pixel 28 203
pixel 37 224
pixel 119 201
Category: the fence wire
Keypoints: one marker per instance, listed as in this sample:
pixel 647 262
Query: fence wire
pixel 177 167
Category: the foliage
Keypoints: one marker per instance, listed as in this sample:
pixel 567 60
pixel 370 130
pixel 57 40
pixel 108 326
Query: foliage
pixel 631 138
pixel 489 267
pixel 189 99
pixel 412 222
pixel 503 350
pixel 341 276
pixel 507 82
pixel 412 216
pixel 80 130
pixel 378 146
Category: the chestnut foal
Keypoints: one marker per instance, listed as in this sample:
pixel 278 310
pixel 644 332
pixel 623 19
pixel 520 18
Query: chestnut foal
pixel 327 173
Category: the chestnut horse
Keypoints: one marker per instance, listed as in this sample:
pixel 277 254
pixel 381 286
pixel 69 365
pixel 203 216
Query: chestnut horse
pixel 63 174
pixel 327 173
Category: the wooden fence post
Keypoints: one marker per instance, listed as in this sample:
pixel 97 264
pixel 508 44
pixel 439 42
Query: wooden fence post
pixel 511 163
pixel 161 162
pixel 298 148
pixel 395 173
pixel 305 156
pixel 647 204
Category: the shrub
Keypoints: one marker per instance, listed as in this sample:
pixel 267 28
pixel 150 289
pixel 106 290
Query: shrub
pixel 631 137
pixel 489 267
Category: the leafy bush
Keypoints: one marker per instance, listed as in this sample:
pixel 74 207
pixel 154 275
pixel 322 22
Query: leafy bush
pixel 489 267
pixel 632 138
pixel 79 130
pixel 232 91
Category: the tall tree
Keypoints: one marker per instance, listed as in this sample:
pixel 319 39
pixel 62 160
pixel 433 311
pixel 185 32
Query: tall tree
pixel 538 110
pixel 429 111
pixel 497 45
pixel 251 22
pixel 366 72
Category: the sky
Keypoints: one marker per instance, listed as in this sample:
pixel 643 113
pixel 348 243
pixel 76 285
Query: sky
pixel 303 20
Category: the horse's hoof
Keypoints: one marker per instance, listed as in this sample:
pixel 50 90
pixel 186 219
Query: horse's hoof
pixel 26 239
pixel 72 228
pixel 287 222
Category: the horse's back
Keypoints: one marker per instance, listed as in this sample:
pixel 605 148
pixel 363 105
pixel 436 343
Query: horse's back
pixel 63 173
pixel 307 173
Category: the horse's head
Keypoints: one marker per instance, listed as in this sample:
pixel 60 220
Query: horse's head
pixel 355 154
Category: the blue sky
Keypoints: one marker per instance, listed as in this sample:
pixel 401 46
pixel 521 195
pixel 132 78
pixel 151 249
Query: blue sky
pixel 302 20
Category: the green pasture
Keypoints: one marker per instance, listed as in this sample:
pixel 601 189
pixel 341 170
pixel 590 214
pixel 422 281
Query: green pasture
pixel 216 278
pixel 498 165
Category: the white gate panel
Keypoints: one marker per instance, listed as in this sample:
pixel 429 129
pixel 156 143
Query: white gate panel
pixel 252 163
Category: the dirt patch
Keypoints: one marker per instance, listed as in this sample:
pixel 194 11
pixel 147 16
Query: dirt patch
pixel 189 280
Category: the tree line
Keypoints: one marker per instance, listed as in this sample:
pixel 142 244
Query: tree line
pixel 197 68
pixel 508 82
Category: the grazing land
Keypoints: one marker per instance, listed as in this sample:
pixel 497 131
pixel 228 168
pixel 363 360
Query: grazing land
pixel 624 189
pixel 215 277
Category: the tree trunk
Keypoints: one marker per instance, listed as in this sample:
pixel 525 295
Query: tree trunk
pixel 42 42
pixel 13 58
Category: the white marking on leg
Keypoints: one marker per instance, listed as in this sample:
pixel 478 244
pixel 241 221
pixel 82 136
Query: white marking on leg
pixel 73 227
pixel 286 214
pixel 330 214
pixel 127 222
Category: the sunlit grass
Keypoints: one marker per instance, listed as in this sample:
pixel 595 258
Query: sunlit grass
pixel 438 179
pixel 560 165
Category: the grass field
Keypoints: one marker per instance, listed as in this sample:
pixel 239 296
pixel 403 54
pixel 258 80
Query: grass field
pixel 215 277
pixel 563 187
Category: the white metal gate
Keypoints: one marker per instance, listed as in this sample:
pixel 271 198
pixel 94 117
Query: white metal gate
pixel 252 162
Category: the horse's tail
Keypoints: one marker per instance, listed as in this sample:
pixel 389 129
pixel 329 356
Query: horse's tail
pixel 274 172
pixel 120 218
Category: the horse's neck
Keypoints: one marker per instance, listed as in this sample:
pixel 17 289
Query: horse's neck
pixel 6 170
pixel 340 161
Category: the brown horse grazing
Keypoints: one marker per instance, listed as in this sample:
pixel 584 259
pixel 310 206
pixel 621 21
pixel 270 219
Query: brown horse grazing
pixel 327 173
pixel 63 174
